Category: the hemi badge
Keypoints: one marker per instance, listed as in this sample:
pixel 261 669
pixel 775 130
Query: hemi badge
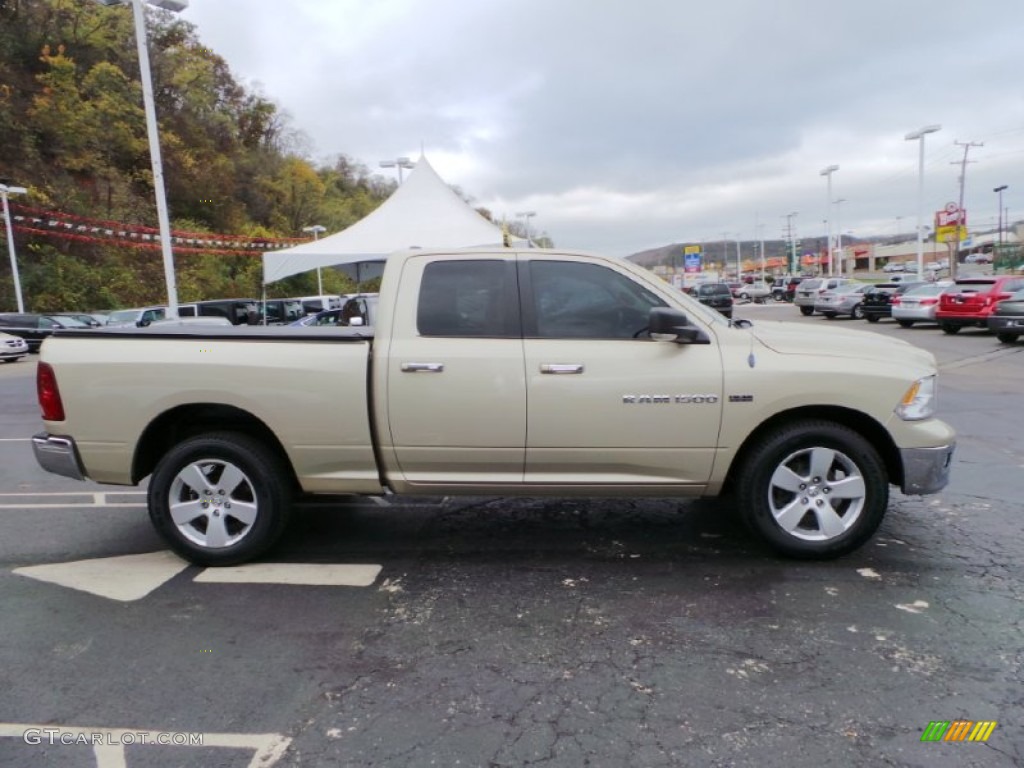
pixel 741 398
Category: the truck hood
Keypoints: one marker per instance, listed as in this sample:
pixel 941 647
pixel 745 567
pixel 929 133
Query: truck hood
pixel 799 339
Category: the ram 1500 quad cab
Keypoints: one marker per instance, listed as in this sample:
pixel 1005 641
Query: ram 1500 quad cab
pixel 498 372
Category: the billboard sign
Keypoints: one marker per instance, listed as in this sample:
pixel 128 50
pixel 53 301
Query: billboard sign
pixel 692 257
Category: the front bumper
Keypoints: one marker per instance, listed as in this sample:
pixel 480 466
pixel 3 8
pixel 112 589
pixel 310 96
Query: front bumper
pixel 926 470
pixel 58 455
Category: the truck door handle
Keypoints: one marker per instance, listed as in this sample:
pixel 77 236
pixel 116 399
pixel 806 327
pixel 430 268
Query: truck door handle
pixel 558 368
pixel 422 367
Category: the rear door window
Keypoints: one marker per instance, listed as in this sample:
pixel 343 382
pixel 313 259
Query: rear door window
pixel 469 299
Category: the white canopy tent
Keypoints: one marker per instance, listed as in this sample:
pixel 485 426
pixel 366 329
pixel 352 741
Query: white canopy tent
pixel 423 212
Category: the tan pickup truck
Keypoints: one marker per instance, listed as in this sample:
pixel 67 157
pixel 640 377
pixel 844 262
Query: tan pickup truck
pixel 499 372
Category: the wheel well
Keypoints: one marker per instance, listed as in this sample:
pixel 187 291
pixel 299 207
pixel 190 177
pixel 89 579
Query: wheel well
pixel 859 422
pixel 172 427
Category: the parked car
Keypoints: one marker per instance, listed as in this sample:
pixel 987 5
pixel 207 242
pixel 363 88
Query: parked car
pixel 784 288
pixel 756 291
pixel 715 295
pixel 139 317
pixel 846 299
pixel 280 311
pixel 357 311
pixel 970 300
pixel 90 320
pixel 33 327
pixel 895 266
pixel 978 258
pixel 12 348
pixel 237 311
pixel 807 292
pixel 878 298
pixel 311 305
pixel 1007 319
pixel 917 305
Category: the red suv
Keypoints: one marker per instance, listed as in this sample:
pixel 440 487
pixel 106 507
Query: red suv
pixel 971 300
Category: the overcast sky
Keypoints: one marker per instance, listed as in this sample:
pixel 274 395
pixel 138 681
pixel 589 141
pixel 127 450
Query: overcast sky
pixel 628 125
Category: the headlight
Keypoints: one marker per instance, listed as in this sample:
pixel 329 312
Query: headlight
pixel 919 401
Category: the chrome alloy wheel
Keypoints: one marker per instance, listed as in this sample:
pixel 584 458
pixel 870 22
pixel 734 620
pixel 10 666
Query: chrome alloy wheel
pixel 816 494
pixel 212 503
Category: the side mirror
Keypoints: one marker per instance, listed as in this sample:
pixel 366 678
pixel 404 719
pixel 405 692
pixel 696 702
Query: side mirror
pixel 667 324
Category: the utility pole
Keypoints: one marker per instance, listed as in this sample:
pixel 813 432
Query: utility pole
pixel 954 262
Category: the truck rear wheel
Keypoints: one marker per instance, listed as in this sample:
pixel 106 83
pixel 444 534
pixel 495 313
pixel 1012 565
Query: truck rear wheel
pixel 219 499
pixel 814 489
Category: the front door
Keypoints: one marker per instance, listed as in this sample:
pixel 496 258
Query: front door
pixel 607 404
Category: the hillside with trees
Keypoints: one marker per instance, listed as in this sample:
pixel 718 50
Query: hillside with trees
pixel 73 132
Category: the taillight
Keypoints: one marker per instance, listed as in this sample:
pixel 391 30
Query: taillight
pixel 49 395
pixel 929 302
pixel 895 301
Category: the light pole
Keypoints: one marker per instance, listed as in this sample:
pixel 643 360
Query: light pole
pixel 919 137
pixel 139 13
pixel 839 235
pixel 999 191
pixel 316 229
pixel 525 216
pixel 792 242
pixel 827 173
pixel 6 190
pixel 739 266
pixel 399 163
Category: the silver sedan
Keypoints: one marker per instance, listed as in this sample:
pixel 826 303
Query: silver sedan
pixel 844 300
pixel 917 305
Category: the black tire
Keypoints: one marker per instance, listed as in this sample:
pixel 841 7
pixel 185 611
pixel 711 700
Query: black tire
pixel 857 313
pixel 872 318
pixel 844 456
pixel 906 323
pixel 261 488
pixel 1007 338
pixel 949 328
pixel 806 311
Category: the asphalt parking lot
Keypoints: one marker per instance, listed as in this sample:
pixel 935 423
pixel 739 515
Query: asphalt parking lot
pixel 548 632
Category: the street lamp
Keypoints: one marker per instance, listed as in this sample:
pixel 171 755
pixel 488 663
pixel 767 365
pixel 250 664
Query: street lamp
pixel 6 190
pixel 399 163
pixel 839 235
pixel 919 137
pixel 139 14
pixel 999 191
pixel 792 242
pixel 316 229
pixel 525 216
pixel 827 173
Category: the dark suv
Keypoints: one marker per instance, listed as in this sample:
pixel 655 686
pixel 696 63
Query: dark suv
pixel 715 295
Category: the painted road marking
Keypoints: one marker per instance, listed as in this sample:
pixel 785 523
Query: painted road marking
pixel 307 574
pixel 73 500
pixel 132 577
pixel 108 743
pixel 125 578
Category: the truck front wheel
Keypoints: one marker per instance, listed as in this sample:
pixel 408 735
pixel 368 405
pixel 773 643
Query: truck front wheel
pixel 814 489
pixel 219 499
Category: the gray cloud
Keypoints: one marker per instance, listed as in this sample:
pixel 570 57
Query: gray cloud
pixel 631 125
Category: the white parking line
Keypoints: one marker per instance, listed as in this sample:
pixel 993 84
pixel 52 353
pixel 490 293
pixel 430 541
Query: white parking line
pixel 307 574
pixel 125 578
pixel 108 743
pixel 98 499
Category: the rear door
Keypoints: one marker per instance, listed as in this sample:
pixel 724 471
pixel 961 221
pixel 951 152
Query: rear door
pixel 456 390
pixel 606 404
